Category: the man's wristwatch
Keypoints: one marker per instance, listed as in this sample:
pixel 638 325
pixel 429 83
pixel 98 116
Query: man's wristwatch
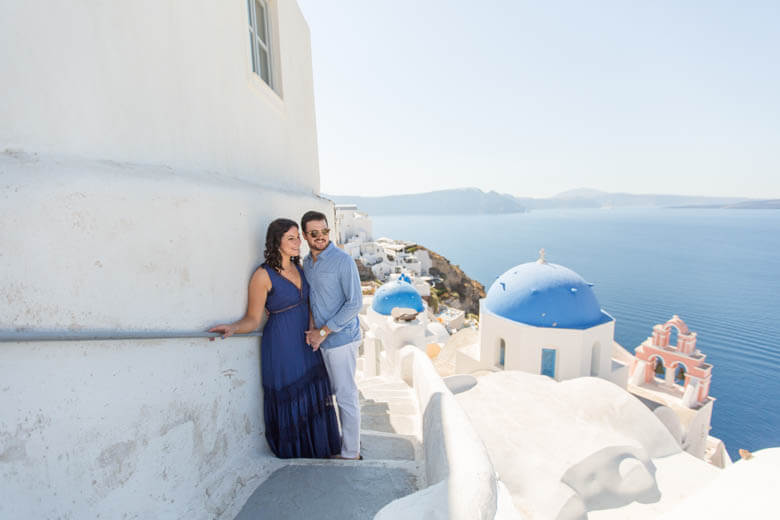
pixel 323 333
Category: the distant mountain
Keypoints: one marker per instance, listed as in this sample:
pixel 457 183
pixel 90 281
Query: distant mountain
pixel 756 204
pixel 748 204
pixel 581 193
pixel 602 199
pixel 444 202
pixel 555 203
pixel 475 201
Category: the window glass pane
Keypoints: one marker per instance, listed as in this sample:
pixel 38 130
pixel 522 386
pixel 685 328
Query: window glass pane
pixel 252 46
pixel 260 13
pixel 264 66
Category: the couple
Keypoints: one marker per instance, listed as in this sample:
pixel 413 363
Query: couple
pixel 310 342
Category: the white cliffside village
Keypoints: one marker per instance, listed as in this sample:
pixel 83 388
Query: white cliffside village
pixel 543 319
pixel 140 167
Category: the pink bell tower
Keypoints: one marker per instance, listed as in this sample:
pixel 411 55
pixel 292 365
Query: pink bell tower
pixel 655 351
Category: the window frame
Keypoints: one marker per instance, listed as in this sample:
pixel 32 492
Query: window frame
pixel 257 45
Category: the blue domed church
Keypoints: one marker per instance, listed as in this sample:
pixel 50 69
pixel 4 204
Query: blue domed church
pixel 397 293
pixel 544 318
pixel 391 334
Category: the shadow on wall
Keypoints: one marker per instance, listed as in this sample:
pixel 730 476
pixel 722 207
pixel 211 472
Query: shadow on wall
pixel 610 478
pixel 436 461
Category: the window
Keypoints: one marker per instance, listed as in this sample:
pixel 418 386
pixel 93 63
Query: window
pixel 595 358
pixel 679 374
pixel 659 369
pixel 501 353
pixel 259 39
pixel 548 362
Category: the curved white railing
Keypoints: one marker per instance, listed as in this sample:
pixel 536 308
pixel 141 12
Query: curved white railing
pixel 461 480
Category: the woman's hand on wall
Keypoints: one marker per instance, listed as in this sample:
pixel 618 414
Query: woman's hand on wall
pixel 225 330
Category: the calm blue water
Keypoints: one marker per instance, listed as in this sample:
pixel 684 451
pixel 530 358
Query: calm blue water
pixel 718 269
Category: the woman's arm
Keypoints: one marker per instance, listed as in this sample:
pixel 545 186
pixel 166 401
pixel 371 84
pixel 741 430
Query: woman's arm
pixel 259 285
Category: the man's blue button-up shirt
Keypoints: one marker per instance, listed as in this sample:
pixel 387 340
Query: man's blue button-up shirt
pixel 335 295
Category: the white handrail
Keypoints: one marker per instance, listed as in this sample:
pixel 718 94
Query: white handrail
pixel 43 336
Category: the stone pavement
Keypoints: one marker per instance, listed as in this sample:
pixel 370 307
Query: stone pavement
pixel 347 490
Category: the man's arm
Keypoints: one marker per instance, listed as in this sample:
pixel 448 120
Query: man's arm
pixel 350 284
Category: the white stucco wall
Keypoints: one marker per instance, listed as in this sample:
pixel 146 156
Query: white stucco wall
pixel 697 431
pixel 422 287
pixel 158 82
pixel 578 448
pixel 136 427
pixel 396 335
pixel 95 245
pixel 352 224
pixel 425 260
pixel 747 489
pixel 140 163
pixel 524 344
pixel 152 429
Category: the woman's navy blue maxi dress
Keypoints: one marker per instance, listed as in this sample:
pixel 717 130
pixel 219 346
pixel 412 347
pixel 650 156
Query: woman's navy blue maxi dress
pixel 300 420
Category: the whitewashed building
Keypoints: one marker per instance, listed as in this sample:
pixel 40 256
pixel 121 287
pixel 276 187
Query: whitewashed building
pixel 545 319
pixel 144 148
pixel 352 225
pixel 392 334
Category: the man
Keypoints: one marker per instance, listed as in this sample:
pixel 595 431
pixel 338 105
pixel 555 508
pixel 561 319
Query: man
pixel 335 298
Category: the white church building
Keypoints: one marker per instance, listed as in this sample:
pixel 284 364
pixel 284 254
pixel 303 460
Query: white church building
pixel 544 318
pixel 392 334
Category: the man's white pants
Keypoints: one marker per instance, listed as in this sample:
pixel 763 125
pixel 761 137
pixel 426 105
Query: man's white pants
pixel 340 362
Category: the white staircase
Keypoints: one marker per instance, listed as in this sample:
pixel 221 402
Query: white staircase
pixel 392 465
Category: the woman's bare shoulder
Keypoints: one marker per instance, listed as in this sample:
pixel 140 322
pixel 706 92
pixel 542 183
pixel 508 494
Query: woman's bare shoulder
pixel 260 278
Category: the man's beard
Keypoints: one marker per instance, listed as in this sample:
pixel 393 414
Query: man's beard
pixel 318 249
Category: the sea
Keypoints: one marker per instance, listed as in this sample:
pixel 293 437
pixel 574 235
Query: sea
pixel 718 269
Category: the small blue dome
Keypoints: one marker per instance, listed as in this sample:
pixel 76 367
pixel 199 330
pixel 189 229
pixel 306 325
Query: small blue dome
pixel 397 293
pixel 545 295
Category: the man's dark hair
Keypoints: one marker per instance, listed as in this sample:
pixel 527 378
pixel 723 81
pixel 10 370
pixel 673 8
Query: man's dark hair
pixel 312 215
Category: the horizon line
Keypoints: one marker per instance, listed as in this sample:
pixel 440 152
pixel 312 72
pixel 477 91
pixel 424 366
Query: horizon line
pixel 754 199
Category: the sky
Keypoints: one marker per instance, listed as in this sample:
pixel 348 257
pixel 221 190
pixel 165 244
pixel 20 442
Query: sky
pixel 535 98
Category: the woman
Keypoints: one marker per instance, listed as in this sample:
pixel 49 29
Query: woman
pixel 300 420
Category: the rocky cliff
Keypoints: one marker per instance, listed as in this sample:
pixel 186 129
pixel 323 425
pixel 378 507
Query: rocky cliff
pixel 456 289
pixel 365 272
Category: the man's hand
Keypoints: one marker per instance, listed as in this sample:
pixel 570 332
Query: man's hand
pixel 314 339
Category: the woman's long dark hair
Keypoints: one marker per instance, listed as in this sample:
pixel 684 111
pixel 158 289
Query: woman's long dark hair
pixel 273 240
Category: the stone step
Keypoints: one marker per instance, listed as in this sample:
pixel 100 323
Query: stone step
pixel 388 385
pixel 385 389
pixel 395 407
pixel 392 465
pixel 328 491
pixel 381 382
pixel 385 395
pixel 376 446
pixel 403 424
pixel 388 406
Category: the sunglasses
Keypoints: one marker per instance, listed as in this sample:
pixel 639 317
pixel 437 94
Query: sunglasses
pixel 316 233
